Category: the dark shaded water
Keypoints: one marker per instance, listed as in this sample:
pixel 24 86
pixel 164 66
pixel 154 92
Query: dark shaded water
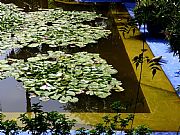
pixel 13 97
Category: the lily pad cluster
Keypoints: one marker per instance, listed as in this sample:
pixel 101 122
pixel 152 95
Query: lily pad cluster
pixel 62 76
pixel 53 27
pixel 10 17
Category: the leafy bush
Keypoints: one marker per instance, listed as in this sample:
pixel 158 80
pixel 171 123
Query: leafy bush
pixel 59 124
pixel 43 121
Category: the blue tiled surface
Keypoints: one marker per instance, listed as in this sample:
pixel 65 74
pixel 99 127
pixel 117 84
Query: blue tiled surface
pixel 160 47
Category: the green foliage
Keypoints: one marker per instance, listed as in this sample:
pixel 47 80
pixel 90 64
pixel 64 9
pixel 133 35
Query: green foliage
pixel 8 126
pixel 156 11
pixel 112 123
pixel 55 122
pixel 99 129
pixel 60 124
pixel 107 126
pixel 142 130
pixel 83 131
pixel 178 88
pixel 173 35
pixel 164 17
pixel 36 125
pixel 143 11
pixel 40 31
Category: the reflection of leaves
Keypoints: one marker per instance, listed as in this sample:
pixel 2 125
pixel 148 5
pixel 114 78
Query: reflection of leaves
pixel 117 106
pixel 2 116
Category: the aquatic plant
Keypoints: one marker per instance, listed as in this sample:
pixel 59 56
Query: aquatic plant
pixel 10 17
pixel 61 76
pixel 57 77
pixel 52 27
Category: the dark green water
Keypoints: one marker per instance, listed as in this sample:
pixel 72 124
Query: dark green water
pixel 13 97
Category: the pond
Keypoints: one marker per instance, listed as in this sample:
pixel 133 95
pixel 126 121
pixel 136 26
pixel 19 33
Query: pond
pixel 14 98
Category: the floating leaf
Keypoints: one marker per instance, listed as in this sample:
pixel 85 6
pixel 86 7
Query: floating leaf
pixel 44 98
pixel 33 45
pixel 70 93
pixel 119 89
pixel 74 99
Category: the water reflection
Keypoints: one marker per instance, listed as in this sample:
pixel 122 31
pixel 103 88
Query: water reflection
pixel 14 98
pixel 88 103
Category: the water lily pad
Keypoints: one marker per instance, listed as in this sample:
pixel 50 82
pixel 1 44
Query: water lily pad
pixel 74 99
pixel 32 29
pixel 119 89
pixel 55 97
pixel 34 45
pixel 70 93
pixel 51 75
